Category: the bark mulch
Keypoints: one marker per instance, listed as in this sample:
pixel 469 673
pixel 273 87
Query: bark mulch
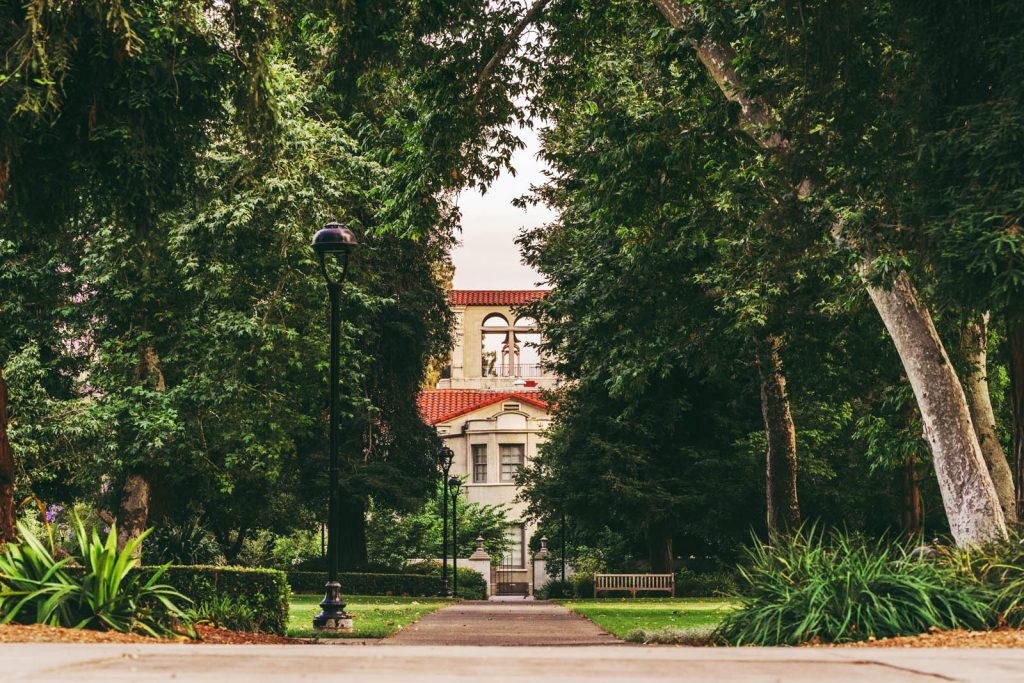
pixel 38 633
pixel 1006 637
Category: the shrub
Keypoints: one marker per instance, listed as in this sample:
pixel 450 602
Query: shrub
pixel 264 592
pixel 471 584
pixel 225 612
pixel 103 592
pixel 997 569
pixel 554 590
pixel 706 584
pixel 582 585
pixel 806 587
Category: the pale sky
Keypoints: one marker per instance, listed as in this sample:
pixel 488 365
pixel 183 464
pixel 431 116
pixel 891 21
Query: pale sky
pixel 488 257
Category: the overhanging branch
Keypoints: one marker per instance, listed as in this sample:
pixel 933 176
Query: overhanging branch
pixel 511 40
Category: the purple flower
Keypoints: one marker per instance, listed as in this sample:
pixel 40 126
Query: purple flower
pixel 106 529
pixel 52 511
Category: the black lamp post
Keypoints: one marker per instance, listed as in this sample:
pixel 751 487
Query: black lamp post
pixel 445 456
pixel 333 246
pixel 455 483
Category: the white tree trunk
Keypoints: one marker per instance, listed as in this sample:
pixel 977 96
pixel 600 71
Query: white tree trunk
pixel 974 343
pixel 968 495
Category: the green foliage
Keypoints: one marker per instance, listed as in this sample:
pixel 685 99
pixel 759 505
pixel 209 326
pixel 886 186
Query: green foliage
pixel 997 569
pixel 188 543
pixel 224 612
pixel 693 636
pixel 264 593
pixel 471 585
pixel 841 588
pixel 555 589
pixel 707 584
pixel 103 591
pixel 393 538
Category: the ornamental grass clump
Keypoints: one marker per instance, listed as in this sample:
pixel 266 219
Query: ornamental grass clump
pixel 97 589
pixel 841 588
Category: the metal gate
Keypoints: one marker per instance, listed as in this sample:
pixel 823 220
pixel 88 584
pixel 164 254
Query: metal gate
pixel 506 577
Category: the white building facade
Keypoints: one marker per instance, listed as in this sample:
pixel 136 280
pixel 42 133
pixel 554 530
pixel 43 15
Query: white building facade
pixel 489 409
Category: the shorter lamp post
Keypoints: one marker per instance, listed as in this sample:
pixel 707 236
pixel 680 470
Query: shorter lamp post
pixel 455 483
pixel 445 456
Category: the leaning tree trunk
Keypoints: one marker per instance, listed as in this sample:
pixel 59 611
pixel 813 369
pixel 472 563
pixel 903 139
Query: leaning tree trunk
pixel 780 434
pixel 8 529
pixel 974 342
pixel 1015 344
pixel 968 495
pixel 659 548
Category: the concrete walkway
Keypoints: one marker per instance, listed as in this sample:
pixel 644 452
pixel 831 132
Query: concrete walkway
pixel 426 664
pixel 522 622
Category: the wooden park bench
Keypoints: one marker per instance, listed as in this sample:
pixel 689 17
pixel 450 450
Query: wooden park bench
pixel 634 582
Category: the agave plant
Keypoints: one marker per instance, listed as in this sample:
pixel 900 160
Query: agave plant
pixel 105 589
pixel 112 595
pixel 34 587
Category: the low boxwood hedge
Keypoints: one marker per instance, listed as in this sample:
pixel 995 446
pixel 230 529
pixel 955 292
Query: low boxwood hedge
pixel 264 591
pixel 471 585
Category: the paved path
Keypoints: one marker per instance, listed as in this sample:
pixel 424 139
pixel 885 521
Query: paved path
pixel 427 664
pixel 523 622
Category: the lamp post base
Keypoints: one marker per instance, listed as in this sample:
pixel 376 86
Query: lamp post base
pixel 332 615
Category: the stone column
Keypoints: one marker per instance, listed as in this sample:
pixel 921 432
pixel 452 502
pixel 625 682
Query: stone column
pixel 480 562
pixel 540 566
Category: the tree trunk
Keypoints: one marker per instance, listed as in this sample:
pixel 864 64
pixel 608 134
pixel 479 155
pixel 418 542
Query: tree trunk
pixel 659 548
pixel 780 435
pixel 133 512
pixel 912 521
pixel 8 528
pixel 968 495
pixel 352 532
pixel 974 343
pixel 1015 344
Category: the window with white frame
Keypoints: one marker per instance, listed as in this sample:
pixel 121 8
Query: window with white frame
pixel 515 535
pixel 512 457
pixel 479 463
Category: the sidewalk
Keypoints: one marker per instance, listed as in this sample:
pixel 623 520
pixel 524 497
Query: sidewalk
pixel 427 664
pixel 522 622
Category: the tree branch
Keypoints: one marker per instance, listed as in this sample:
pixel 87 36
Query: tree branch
pixel 511 40
pixel 757 115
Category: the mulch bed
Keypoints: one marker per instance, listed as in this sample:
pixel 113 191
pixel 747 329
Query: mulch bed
pixel 209 635
pixel 1006 637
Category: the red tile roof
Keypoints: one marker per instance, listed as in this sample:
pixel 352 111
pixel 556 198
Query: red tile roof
pixel 495 297
pixel 441 405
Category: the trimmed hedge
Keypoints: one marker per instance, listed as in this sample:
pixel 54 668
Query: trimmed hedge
pixel 264 591
pixel 471 585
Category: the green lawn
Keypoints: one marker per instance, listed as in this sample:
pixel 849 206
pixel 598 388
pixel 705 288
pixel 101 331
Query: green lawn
pixel 373 616
pixel 619 616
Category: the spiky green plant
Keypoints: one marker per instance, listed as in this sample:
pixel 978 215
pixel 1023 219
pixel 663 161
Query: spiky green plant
pixel 113 596
pixel 34 587
pixel 100 588
pixel 841 588
pixel 998 569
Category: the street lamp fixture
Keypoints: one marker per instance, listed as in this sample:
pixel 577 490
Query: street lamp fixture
pixel 333 246
pixel 445 457
pixel 454 484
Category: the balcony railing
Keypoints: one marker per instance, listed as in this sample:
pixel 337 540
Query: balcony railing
pixel 521 370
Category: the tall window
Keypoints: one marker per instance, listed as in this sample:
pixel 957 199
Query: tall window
pixel 516 538
pixel 479 463
pixel 512 457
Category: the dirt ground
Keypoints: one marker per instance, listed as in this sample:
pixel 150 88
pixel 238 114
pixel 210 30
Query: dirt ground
pixel 37 633
pixel 1000 638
